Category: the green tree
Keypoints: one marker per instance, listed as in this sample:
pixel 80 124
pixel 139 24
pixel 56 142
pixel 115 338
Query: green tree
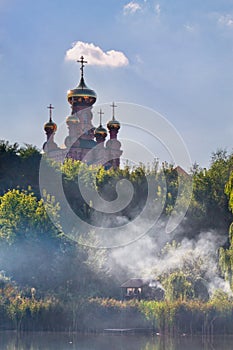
pixel 226 255
pixel 178 286
pixel 9 165
pixel 19 166
pixel 209 205
pixel 30 158
pixel 23 216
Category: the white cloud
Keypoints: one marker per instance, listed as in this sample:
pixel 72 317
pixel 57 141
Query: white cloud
pixel 131 7
pixel 189 28
pixel 96 56
pixel 157 9
pixel 226 20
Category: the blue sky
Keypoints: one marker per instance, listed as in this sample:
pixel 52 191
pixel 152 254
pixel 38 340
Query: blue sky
pixel 173 56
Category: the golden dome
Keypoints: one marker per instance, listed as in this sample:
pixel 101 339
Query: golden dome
pixel 72 119
pixel 113 124
pixel 100 131
pixel 82 95
pixel 50 126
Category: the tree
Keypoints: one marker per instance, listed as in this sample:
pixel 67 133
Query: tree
pixel 23 216
pixel 19 167
pixel 209 205
pixel 226 255
pixel 9 165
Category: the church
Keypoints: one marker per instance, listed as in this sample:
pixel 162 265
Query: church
pixel 84 142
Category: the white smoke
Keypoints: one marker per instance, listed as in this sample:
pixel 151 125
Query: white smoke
pixel 151 256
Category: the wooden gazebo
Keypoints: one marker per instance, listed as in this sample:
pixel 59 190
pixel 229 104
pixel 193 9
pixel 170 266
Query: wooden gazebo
pixel 141 288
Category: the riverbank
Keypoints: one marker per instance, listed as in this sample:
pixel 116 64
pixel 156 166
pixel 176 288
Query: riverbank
pixel 96 315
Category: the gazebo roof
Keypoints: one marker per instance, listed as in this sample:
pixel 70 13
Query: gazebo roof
pixel 135 283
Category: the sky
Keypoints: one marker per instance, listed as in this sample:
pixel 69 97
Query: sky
pixel 170 56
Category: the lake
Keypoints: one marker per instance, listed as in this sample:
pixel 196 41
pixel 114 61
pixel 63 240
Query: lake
pixel 64 341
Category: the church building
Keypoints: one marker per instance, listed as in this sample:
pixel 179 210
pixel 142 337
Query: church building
pixel 84 142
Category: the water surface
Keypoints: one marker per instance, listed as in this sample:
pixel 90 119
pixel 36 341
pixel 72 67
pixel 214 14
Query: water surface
pixel 64 341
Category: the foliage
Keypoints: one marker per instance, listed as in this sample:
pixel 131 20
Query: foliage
pixel 45 258
pixel 190 317
pixel 226 254
pixel 22 216
pixel 19 166
pixel 209 205
pixel 178 286
pixel 71 277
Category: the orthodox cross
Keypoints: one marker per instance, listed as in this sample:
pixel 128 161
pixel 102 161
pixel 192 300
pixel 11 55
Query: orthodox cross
pixel 100 113
pixel 50 107
pixel 113 110
pixel 82 64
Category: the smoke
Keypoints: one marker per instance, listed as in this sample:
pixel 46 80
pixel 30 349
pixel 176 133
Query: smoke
pixel 157 254
pixel 136 238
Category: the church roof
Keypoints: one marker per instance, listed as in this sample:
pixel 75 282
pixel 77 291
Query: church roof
pixel 181 171
pixel 86 143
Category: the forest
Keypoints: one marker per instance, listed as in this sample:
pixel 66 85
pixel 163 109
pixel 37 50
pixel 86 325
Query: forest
pixel 58 274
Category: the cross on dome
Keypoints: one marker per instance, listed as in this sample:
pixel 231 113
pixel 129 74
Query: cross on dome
pixel 113 110
pixel 100 113
pixel 82 61
pixel 50 107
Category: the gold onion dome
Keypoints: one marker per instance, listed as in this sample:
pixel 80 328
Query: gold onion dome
pixel 82 95
pixel 101 131
pixel 72 119
pixel 113 124
pixel 50 126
